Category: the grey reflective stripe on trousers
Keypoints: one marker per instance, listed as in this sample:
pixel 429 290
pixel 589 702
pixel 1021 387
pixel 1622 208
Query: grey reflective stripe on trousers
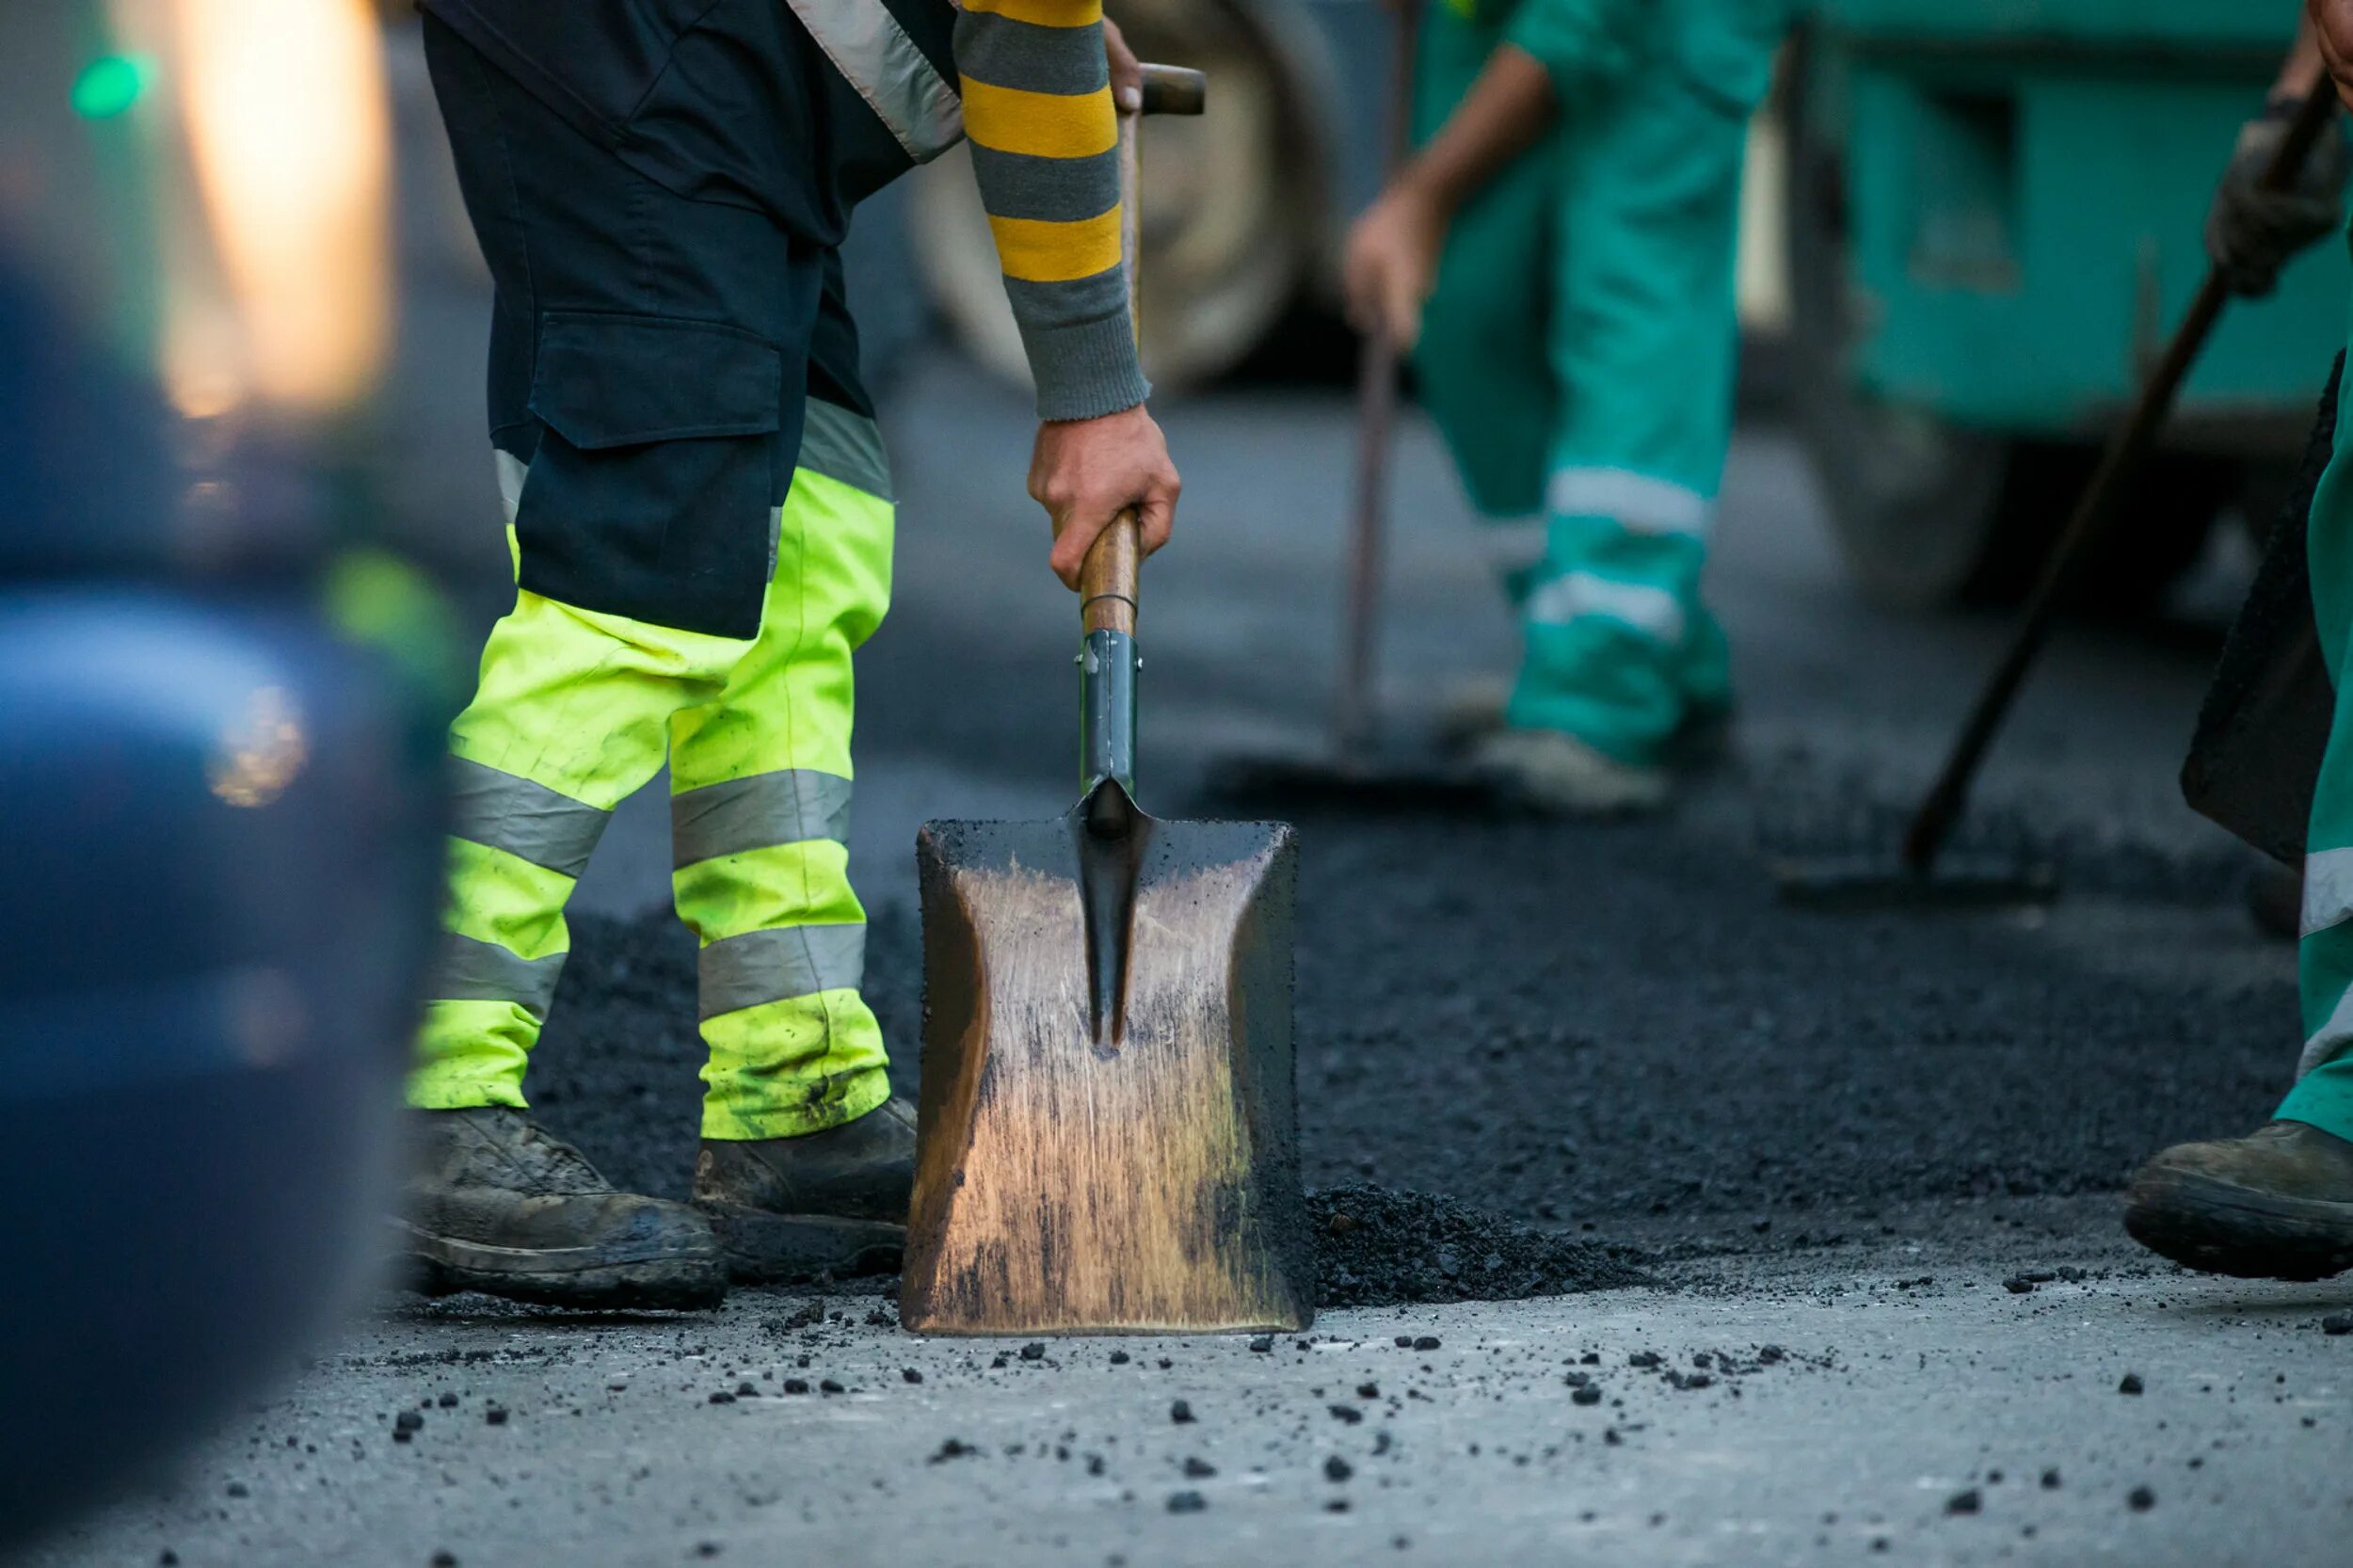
pixel 1577 595
pixel 788 807
pixel 2328 889
pixel 778 966
pixel 522 817
pixel 844 446
pixel 2330 1039
pixel 469 970
pixel 875 56
pixel 1638 502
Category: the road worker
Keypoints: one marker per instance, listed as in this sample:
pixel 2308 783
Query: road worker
pixel 2277 1203
pixel 699 514
pixel 1558 258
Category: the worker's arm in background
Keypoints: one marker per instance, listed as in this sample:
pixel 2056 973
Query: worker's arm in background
pixel 1554 52
pixel 2252 233
pixel 1039 114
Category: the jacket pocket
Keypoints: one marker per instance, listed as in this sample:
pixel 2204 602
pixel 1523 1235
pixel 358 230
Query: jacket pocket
pixel 653 490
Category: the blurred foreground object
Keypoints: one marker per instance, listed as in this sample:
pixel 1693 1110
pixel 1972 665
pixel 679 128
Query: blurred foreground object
pixel 1991 230
pixel 220 852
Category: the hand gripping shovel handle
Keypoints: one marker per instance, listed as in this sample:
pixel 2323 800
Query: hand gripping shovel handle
pixel 1108 579
pixel 1933 822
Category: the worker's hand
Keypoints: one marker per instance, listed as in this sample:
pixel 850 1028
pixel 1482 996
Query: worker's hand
pixel 1126 70
pixel 2332 29
pixel 1086 472
pixel 2252 233
pixel 1392 264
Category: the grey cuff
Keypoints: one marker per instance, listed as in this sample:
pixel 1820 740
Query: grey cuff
pixel 1085 369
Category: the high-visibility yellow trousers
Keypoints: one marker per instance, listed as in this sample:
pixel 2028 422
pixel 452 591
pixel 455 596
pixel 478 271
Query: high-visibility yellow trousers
pixel 575 711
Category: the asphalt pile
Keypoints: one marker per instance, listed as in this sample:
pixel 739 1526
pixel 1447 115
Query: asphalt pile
pixel 1580 1029
pixel 1375 1247
pixel 617 1075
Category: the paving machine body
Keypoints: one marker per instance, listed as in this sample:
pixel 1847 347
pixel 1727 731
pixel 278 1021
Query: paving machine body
pixel 1995 215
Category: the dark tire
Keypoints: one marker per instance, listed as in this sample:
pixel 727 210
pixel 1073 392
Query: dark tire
pixel 1929 513
pixel 1234 204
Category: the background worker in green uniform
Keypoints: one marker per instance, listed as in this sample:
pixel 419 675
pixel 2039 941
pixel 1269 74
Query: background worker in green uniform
pixel 700 510
pixel 1558 257
pixel 2277 1203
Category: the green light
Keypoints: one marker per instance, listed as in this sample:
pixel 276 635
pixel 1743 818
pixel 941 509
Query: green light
pixel 110 86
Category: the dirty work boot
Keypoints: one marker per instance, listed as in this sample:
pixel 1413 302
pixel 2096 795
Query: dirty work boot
pixel 2277 1203
pixel 1469 710
pixel 1558 773
pixel 833 1202
pixel 495 1203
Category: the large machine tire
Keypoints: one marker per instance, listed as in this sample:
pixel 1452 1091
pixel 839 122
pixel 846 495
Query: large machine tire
pixel 1235 203
pixel 1929 513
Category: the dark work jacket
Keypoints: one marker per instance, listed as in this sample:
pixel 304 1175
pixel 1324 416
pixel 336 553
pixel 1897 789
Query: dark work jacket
pixel 727 101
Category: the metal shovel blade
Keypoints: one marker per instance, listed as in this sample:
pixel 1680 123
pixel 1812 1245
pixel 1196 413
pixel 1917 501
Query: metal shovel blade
pixel 1108 1138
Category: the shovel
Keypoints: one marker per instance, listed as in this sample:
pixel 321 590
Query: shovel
pixel 1107 1135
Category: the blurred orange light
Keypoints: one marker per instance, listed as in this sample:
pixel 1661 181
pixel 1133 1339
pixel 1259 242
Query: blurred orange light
pixel 289 130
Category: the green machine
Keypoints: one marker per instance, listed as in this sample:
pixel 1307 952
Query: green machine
pixel 1995 218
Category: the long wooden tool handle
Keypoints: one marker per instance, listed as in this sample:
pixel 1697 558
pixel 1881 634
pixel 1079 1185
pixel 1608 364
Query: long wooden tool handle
pixel 2127 449
pixel 1376 415
pixel 1108 578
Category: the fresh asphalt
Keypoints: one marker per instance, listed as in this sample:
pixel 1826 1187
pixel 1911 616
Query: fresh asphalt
pixel 1871 1163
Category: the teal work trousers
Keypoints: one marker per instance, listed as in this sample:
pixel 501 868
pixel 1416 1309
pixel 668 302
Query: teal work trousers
pixel 2323 1096
pixel 1579 356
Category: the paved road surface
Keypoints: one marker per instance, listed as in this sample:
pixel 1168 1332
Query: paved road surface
pixel 1836 1139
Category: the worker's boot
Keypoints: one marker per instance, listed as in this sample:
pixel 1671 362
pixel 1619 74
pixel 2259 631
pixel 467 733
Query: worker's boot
pixel 1469 710
pixel 832 1202
pixel 495 1203
pixel 2277 1203
pixel 1558 774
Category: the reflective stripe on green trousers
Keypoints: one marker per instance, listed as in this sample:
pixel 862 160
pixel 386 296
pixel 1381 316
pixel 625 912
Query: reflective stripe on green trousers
pixel 2323 1095
pixel 1579 356
pixel 578 710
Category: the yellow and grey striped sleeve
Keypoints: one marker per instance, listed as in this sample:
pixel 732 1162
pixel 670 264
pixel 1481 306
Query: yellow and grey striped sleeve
pixel 1037 110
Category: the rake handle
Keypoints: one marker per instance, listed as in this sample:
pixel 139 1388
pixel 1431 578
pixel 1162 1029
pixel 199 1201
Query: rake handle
pixel 1376 416
pixel 1108 579
pixel 2126 450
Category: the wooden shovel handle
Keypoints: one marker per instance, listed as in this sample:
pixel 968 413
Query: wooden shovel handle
pixel 1108 579
pixel 1174 90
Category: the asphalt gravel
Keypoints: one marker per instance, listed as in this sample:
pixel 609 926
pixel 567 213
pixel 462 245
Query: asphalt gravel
pixel 1605 1033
